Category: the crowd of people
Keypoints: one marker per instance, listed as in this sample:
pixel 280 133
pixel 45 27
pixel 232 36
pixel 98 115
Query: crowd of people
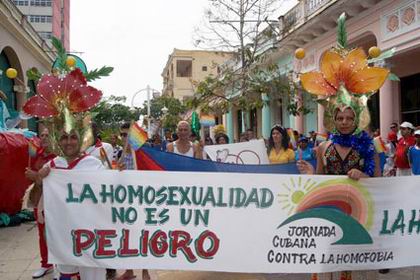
pixel 402 159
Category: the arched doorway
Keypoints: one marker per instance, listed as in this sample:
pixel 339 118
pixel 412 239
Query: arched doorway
pixel 6 84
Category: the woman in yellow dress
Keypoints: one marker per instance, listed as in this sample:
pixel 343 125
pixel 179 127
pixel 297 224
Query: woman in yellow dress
pixel 278 146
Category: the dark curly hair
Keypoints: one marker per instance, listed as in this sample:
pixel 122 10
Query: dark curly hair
pixel 284 137
pixel 221 135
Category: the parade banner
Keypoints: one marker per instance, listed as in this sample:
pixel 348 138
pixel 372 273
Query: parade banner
pixel 250 152
pixel 262 223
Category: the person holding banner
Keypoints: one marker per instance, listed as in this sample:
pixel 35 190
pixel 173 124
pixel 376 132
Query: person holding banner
pixel 342 87
pixel 127 163
pixel 64 101
pixel 278 146
pixel 183 146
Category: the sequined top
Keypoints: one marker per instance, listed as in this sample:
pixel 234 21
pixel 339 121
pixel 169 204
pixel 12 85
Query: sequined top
pixel 335 165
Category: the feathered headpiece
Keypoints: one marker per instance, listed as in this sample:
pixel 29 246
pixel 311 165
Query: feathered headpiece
pixel 63 102
pixel 346 80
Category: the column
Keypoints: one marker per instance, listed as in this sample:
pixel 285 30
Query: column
pixel 321 128
pixel 265 116
pixel 299 123
pixel 21 91
pixel 229 124
pixel 299 118
pixel 243 127
pixel 386 107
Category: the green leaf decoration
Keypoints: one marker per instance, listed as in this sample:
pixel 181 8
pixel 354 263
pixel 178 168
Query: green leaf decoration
pixel 341 31
pixel 393 77
pixel 98 73
pixel 383 56
pixel 61 53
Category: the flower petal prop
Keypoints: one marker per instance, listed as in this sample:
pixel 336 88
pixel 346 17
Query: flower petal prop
pixel 64 101
pixel 369 79
pixel 315 83
pixel 55 94
pixel 345 80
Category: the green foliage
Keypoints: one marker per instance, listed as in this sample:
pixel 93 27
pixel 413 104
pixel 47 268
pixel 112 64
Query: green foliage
pixel 383 56
pixel 211 94
pixel 111 112
pixel 33 74
pixel 341 31
pixel 393 77
pixel 61 54
pixel 98 73
pixel 172 117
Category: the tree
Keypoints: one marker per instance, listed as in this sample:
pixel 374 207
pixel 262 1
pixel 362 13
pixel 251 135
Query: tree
pixel 172 117
pixel 242 26
pixel 111 112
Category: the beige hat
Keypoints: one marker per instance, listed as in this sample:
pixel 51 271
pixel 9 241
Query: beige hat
pixel 407 125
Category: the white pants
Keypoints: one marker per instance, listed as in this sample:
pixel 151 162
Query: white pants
pixel 86 273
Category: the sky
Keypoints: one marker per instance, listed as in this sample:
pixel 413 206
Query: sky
pixel 135 37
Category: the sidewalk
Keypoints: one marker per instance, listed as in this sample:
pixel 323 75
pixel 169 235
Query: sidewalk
pixel 19 258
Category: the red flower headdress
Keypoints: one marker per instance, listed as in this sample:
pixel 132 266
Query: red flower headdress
pixel 56 93
pixel 63 102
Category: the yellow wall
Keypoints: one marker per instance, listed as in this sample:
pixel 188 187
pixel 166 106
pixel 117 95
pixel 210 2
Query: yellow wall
pixel 184 86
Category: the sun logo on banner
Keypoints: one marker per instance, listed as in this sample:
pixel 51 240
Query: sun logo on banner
pixel 293 193
pixel 342 201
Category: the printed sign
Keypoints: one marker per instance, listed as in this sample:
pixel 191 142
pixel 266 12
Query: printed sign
pixel 251 152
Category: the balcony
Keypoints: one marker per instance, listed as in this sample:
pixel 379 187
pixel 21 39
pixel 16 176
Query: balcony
pixel 310 19
pixel 301 13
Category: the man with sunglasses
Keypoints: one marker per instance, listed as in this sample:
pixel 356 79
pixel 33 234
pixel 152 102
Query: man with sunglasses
pixel 414 154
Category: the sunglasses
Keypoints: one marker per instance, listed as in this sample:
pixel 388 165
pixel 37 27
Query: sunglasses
pixel 392 127
pixel 123 134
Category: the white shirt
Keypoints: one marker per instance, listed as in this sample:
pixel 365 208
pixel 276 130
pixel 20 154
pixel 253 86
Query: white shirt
pixel 189 153
pixel 86 163
pixel 95 151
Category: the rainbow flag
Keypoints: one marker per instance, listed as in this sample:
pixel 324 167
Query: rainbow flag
pixel 33 148
pixel 379 145
pixel 207 120
pixel 136 136
pixel 291 137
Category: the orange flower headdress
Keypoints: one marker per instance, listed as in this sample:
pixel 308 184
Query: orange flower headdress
pixel 346 80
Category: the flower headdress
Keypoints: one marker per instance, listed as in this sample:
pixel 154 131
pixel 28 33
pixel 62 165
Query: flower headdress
pixel 64 102
pixel 346 80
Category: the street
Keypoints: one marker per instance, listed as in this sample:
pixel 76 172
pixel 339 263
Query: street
pixel 19 258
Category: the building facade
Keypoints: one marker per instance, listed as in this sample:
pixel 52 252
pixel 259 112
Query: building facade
pixel 48 17
pixel 185 68
pixel 311 25
pixel 21 48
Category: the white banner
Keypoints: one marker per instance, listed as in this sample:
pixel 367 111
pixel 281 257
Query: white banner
pixel 251 152
pixel 231 222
